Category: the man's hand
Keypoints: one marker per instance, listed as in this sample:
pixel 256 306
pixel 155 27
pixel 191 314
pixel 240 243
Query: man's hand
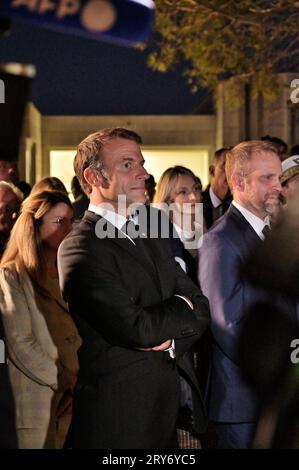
pixel 161 347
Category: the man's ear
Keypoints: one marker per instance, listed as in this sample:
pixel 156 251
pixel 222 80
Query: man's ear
pixel 238 182
pixel 212 170
pixel 93 177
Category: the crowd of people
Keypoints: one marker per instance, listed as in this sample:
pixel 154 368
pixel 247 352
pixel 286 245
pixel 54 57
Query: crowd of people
pixel 122 312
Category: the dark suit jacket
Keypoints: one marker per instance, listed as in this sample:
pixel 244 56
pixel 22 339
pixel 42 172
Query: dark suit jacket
pixel 80 205
pixel 121 301
pixel 8 435
pixel 225 247
pixel 196 377
pixel 208 206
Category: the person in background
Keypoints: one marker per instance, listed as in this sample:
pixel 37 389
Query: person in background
pixel 290 177
pixel 42 339
pixel 253 170
pixel 276 339
pixel 199 183
pixel 281 272
pixel 266 361
pixel 10 202
pixel 49 183
pixel 294 150
pixel 281 146
pixel 179 187
pixel 150 186
pixel 9 172
pixel 8 434
pixel 81 202
pixel 216 197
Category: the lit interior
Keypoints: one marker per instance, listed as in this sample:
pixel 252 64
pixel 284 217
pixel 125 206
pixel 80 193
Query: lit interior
pixel 157 160
pixel 61 166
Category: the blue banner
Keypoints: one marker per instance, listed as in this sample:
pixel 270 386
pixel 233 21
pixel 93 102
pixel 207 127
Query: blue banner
pixel 120 21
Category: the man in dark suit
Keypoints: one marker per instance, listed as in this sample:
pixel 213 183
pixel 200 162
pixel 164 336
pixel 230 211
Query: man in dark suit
pixel 135 309
pixel 253 170
pixel 217 197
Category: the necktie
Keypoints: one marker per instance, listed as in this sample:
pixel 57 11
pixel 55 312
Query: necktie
pixel 132 229
pixel 221 209
pixel 266 230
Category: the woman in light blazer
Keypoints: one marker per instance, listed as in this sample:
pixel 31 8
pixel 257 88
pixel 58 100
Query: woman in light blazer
pixel 41 336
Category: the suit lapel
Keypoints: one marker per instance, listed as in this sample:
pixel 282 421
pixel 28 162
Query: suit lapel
pixel 124 243
pixel 146 260
pixel 249 235
pixel 56 294
pixel 60 302
pixel 250 240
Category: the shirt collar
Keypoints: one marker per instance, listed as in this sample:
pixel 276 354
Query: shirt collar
pixel 256 223
pixel 214 199
pixel 114 218
pixel 184 234
pixel 187 236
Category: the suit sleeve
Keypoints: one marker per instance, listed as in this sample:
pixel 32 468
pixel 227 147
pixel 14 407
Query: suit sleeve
pixel 95 292
pixel 201 310
pixel 221 282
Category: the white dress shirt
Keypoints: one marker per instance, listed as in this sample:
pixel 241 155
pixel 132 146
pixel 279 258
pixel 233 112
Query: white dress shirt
pixel 214 199
pixel 256 223
pixel 114 218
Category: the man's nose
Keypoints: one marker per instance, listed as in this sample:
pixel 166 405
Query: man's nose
pixel 143 174
pixel 278 186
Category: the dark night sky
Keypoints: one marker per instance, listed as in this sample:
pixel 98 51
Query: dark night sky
pixel 83 76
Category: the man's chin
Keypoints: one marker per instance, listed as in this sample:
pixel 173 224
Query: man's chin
pixel 272 208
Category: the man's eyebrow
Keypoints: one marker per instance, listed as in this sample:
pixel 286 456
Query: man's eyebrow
pixel 130 159
pixel 266 175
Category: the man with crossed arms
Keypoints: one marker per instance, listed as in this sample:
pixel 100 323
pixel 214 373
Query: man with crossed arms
pixel 136 311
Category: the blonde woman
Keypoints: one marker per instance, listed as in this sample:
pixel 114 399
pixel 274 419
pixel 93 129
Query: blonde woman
pixel 49 183
pixel 41 336
pixel 180 188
